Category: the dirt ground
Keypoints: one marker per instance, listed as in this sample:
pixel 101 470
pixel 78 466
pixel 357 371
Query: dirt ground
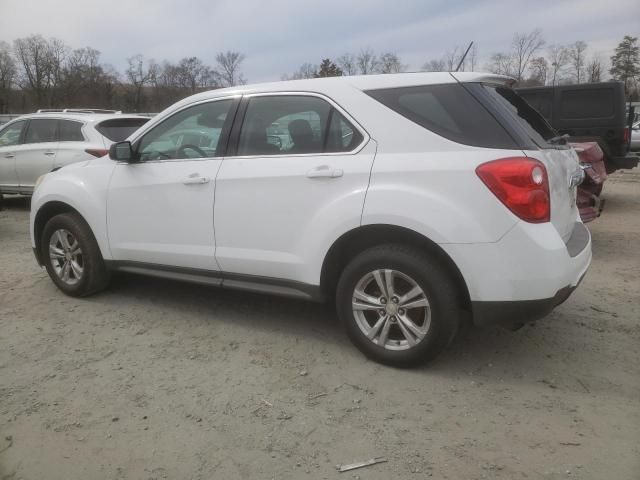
pixel 161 380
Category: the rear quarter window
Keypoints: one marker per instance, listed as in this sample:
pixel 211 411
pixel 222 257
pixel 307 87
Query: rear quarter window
pixel 118 129
pixel 448 110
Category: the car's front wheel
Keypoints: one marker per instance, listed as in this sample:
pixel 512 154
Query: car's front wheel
pixel 72 256
pixel 399 306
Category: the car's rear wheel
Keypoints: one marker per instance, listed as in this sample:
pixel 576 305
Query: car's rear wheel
pixel 400 307
pixel 72 257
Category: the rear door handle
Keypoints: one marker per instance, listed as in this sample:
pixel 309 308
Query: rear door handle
pixel 9 155
pixel 49 153
pixel 195 179
pixel 325 171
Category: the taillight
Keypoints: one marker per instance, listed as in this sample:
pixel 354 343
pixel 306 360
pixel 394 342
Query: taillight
pixel 627 136
pixel 97 152
pixel 521 183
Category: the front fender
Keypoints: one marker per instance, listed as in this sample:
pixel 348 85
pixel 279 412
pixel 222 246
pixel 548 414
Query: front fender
pixel 82 187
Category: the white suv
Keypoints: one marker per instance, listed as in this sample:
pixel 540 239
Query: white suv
pixel 411 200
pixel 35 144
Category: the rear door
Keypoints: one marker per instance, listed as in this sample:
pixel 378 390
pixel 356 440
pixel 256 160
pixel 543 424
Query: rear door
pixel 561 161
pixel 71 143
pixel 10 137
pixel 37 155
pixel 297 157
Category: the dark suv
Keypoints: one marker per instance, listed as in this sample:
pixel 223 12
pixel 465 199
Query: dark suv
pixel 588 112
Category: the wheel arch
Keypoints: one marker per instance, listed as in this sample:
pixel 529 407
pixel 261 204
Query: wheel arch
pixel 355 241
pixel 43 215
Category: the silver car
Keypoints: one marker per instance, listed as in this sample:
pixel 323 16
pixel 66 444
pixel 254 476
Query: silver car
pixel 35 144
pixel 635 137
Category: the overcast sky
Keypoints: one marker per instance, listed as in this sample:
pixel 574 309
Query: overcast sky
pixel 279 35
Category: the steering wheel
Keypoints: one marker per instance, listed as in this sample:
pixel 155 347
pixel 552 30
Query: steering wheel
pixel 181 151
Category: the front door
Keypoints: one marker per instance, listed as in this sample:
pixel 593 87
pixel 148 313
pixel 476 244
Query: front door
pixel 300 169
pixel 10 137
pixel 160 208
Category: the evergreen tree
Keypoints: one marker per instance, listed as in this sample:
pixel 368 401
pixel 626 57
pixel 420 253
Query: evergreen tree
pixel 625 63
pixel 328 69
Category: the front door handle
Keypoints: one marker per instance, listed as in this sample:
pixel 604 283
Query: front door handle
pixel 49 153
pixel 324 171
pixel 195 179
pixel 9 155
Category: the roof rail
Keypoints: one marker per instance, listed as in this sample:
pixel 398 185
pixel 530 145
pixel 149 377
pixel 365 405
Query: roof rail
pixel 76 110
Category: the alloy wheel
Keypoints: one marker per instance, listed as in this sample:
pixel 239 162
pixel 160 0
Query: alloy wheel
pixel 391 309
pixel 66 256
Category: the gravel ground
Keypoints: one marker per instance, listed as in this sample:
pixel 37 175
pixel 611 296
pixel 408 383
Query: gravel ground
pixel 155 379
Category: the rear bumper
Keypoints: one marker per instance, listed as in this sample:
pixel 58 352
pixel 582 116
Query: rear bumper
pixel 515 314
pixel 523 276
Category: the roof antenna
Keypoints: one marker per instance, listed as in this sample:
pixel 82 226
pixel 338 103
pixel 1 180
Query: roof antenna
pixel 463 57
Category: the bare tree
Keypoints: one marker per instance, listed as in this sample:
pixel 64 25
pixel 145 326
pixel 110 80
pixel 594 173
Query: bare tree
pixel 367 61
pixel 82 71
pixel 390 63
pixel 558 59
pixel 539 68
pixel 306 70
pixel 140 74
pixel 229 68
pixel 435 66
pixel 594 70
pixel 40 64
pixel 524 46
pixel 347 64
pixel 452 58
pixel 472 57
pixel 7 75
pixel 577 59
pixel 502 64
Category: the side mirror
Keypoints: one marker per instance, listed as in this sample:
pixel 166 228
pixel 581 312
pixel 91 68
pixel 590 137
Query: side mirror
pixel 121 152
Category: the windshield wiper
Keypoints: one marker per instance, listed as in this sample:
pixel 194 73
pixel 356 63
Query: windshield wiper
pixel 559 139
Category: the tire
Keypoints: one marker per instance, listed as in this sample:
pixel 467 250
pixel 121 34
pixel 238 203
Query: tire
pixel 86 273
pixel 433 326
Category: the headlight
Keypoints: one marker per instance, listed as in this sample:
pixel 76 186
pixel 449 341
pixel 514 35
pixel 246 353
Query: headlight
pixel 38 182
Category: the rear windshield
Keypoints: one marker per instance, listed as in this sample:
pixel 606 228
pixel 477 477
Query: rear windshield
pixel 541 101
pixel 118 129
pixel 535 126
pixel 448 110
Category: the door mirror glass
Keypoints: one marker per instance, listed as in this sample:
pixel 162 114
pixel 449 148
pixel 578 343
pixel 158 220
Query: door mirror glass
pixel 121 151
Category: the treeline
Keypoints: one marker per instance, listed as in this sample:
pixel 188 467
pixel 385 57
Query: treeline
pixel 529 59
pixel 46 73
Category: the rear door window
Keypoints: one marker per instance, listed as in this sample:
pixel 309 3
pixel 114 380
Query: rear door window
pixel 448 110
pixel 70 131
pixel 119 129
pixel 295 124
pixel 41 131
